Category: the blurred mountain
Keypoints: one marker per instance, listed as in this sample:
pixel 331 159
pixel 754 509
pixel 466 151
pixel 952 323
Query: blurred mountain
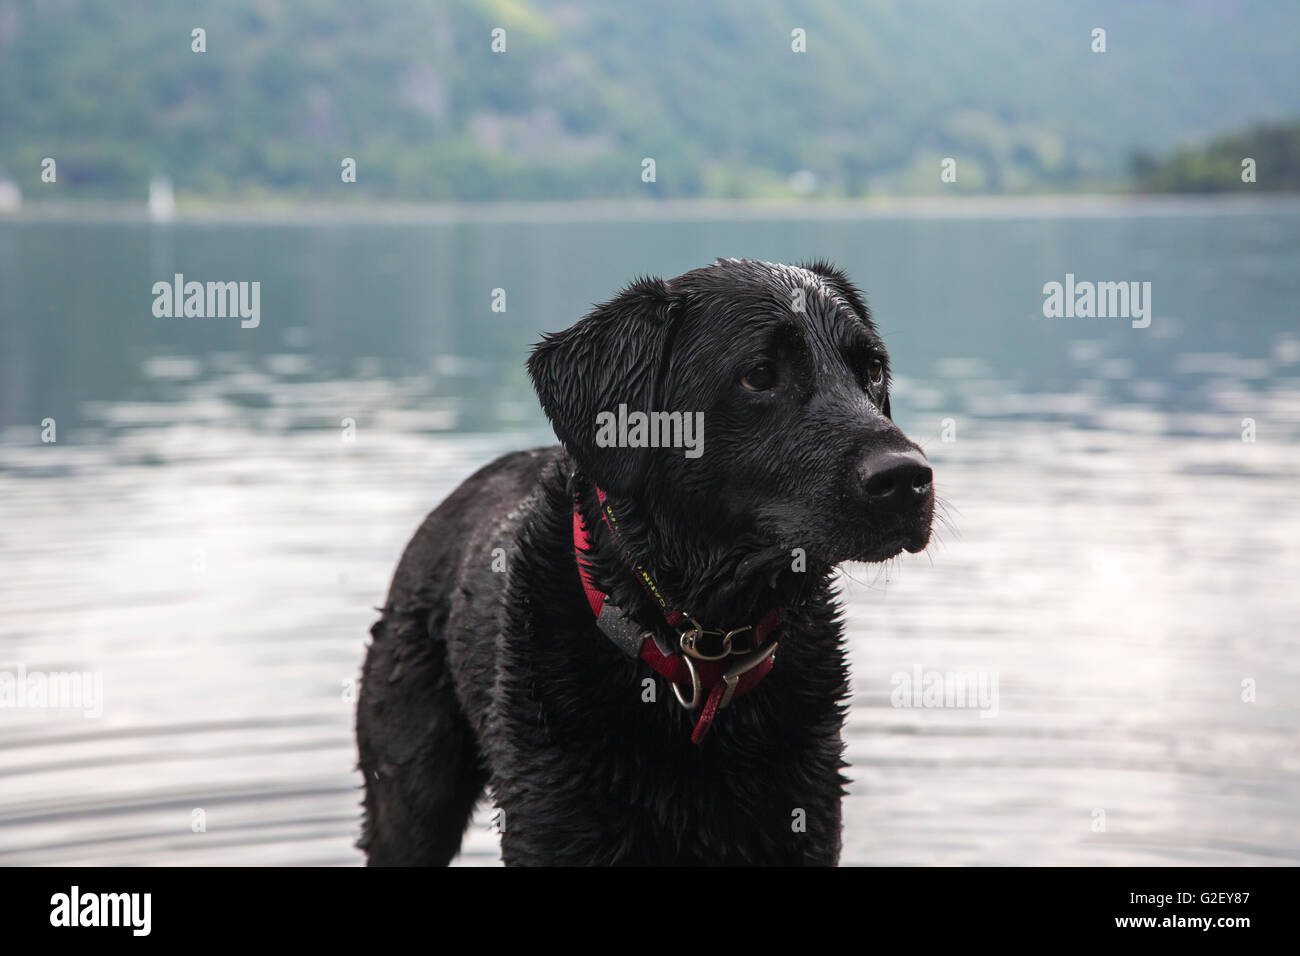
pixel 1264 158
pixel 588 88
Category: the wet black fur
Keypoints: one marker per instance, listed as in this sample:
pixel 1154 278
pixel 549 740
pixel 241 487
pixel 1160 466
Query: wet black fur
pixel 500 682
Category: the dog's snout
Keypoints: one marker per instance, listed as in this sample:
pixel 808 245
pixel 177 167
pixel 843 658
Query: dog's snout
pixel 896 479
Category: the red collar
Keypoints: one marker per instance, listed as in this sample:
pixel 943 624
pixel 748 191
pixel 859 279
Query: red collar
pixel 710 662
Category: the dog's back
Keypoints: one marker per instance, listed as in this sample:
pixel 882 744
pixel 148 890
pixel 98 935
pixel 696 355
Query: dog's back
pixel 417 748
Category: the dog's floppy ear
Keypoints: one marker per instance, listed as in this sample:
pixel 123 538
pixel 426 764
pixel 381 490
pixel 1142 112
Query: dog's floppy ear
pixel 614 356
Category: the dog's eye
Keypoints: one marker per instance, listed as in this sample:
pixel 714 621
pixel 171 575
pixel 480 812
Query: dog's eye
pixel 760 378
pixel 875 373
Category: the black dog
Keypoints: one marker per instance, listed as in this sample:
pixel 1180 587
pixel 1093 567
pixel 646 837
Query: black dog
pixel 676 696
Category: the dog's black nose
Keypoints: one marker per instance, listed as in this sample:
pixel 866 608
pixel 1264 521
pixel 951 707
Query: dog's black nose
pixel 896 479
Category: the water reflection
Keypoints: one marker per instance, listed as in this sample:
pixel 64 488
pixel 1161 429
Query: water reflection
pixel 211 535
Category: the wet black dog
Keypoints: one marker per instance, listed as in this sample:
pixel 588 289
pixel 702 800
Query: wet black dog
pixel 709 564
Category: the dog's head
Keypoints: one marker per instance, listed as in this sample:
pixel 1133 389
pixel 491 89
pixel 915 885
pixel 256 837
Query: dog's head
pixel 783 368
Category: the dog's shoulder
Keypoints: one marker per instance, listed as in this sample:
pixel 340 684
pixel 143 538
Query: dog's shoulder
pixel 478 511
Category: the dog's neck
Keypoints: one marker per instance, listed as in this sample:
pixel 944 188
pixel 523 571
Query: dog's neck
pixel 721 582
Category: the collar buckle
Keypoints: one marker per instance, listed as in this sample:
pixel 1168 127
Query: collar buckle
pixel 709 645
pixel 694 702
pixel 730 678
pixel 742 667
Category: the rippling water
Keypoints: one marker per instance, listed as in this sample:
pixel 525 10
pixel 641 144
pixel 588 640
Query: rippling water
pixel 203 535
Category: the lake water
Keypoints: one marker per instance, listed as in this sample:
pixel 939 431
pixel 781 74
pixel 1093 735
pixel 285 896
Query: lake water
pixel 204 536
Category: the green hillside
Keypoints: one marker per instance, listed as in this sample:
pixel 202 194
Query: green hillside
pixel 1220 166
pixel 586 89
